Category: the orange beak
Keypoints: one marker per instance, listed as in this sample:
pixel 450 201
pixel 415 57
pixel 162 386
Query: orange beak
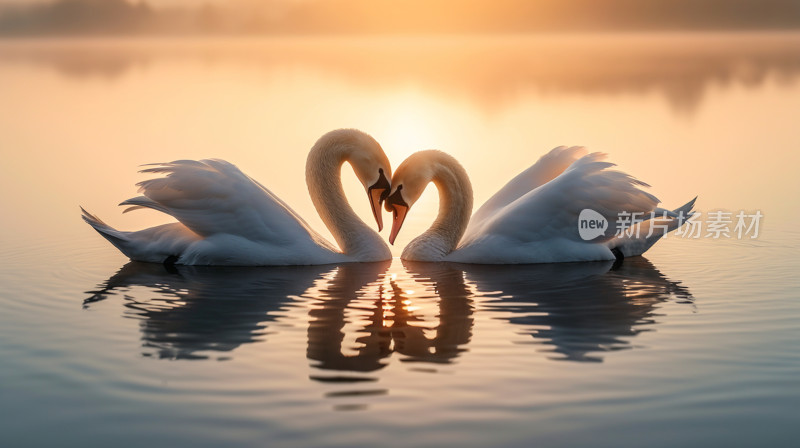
pixel 399 208
pixel 377 193
pixel 399 212
pixel 375 199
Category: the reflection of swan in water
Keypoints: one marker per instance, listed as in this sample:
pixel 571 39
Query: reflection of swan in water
pixel 454 329
pixel 327 320
pixel 389 325
pixel 578 308
pixel 201 309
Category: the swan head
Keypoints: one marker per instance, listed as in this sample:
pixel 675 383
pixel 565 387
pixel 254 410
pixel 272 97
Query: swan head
pixel 368 160
pixel 373 170
pixel 408 184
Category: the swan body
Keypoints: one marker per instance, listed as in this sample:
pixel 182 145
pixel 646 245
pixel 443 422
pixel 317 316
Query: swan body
pixel 227 218
pixel 532 219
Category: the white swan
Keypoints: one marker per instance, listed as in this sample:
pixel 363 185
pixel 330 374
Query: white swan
pixel 532 219
pixel 227 218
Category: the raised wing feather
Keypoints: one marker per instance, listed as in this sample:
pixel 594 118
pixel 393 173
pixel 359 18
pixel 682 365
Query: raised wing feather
pixel 544 170
pixel 214 197
pixel 551 211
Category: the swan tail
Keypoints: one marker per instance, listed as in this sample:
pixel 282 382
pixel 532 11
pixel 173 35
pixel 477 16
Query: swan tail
pixel 686 209
pixel 642 236
pixel 119 239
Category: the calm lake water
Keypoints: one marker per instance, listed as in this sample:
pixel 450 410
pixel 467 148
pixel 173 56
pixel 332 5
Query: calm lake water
pixel 695 344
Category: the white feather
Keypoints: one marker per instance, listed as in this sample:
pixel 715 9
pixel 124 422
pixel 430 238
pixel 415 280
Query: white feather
pixel 534 218
pixel 227 218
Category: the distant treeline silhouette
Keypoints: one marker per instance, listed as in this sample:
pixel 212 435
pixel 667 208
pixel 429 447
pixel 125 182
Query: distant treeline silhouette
pixel 68 17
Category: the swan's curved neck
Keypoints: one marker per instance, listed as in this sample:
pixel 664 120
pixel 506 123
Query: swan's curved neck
pixel 323 177
pixel 455 208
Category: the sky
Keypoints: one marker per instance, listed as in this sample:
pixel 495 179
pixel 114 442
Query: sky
pixel 394 16
pixel 166 3
pixel 152 2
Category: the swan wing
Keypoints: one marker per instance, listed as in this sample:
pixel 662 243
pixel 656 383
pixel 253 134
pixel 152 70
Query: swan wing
pixel 542 225
pixel 544 170
pixel 213 197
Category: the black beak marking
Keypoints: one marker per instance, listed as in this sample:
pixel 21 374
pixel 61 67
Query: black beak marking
pixel 395 198
pixel 382 183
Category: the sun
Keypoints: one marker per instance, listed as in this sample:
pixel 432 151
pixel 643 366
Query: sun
pixel 410 126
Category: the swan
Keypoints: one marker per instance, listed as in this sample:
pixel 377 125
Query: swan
pixel 532 219
pixel 227 218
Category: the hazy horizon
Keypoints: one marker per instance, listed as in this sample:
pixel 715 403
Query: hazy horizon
pixel 160 17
